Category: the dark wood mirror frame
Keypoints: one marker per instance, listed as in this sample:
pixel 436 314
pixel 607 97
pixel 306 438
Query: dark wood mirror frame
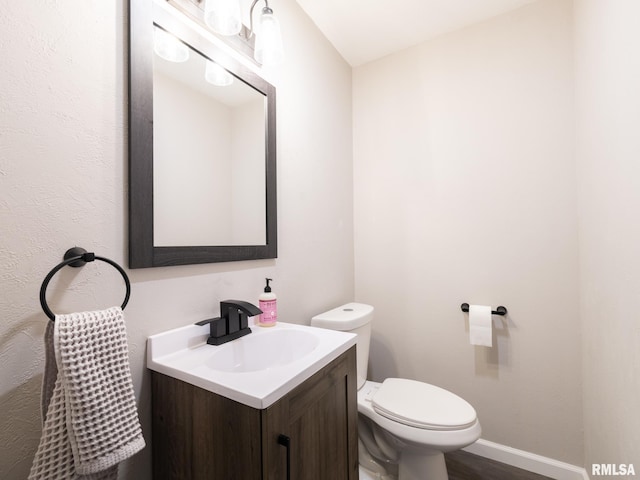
pixel 142 251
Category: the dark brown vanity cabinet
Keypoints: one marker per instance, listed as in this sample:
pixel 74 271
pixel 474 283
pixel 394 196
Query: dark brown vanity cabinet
pixel 201 435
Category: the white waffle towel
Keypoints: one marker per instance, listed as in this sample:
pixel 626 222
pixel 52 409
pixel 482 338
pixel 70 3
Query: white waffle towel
pixel 91 422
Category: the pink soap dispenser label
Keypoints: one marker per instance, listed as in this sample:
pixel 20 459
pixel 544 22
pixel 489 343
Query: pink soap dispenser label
pixel 269 314
pixel 267 303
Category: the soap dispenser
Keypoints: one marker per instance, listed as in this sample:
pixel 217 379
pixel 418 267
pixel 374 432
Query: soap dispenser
pixel 267 303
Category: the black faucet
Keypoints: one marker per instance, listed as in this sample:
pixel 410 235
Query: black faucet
pixel 232 323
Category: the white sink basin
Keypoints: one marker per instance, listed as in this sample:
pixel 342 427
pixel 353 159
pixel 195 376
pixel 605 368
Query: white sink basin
pixel 272 349
pixel 256 369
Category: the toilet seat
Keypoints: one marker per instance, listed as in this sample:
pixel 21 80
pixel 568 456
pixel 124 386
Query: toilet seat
pixel 422 405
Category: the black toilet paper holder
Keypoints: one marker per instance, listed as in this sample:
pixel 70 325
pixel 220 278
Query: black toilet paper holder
pixel 499 311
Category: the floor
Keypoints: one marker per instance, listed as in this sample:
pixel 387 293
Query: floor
pixel 466 466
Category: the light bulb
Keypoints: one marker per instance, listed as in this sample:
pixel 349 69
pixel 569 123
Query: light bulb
pixel 169 47
pixel 217 75
pixel 268 50
pixel 223 16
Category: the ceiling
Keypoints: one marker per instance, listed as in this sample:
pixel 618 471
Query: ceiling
pixel 365 30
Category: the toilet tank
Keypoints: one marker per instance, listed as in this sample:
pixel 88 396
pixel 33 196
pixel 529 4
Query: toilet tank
pixel 353 318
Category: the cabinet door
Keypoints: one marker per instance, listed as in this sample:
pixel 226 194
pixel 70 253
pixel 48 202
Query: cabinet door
pixel 320 419
pixel 199 435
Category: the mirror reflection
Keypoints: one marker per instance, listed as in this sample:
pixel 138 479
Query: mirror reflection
pixel 209 154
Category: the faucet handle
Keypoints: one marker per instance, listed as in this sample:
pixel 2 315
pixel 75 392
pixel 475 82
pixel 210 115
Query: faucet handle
pixel 217 326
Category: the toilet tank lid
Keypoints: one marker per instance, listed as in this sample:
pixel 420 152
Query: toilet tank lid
pixel 346 317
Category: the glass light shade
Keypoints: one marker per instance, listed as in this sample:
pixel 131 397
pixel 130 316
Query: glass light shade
pixel 169 47
pixel 217 75
pixel 268 49
pixel 223 16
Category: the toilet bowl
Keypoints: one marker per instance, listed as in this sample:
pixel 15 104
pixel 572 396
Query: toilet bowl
pixel 405 426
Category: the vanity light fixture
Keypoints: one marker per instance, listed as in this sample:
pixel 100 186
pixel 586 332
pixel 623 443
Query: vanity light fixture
pixel 217 75
pixel 268 50
pixel 223 16
pixel 169 47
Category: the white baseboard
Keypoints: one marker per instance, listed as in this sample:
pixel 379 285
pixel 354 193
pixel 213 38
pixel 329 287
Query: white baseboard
pixel 527 461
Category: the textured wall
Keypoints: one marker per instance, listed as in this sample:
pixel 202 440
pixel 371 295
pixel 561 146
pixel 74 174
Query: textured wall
pixel 63 161
pixel 608 149
pixel 465 192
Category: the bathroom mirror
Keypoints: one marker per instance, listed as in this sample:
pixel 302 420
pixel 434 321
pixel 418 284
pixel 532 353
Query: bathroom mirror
pixel 202 181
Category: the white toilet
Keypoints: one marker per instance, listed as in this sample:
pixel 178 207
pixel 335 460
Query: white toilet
pixel 405 426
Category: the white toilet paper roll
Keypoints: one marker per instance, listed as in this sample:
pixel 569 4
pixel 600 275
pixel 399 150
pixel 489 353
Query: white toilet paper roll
pixel 480 325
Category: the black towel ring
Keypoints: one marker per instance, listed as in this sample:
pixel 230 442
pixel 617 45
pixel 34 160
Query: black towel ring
pixel 78 257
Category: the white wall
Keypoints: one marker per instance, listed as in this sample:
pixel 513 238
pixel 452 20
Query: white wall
pixel 465 191
pixel 608 152
pixel 63 163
